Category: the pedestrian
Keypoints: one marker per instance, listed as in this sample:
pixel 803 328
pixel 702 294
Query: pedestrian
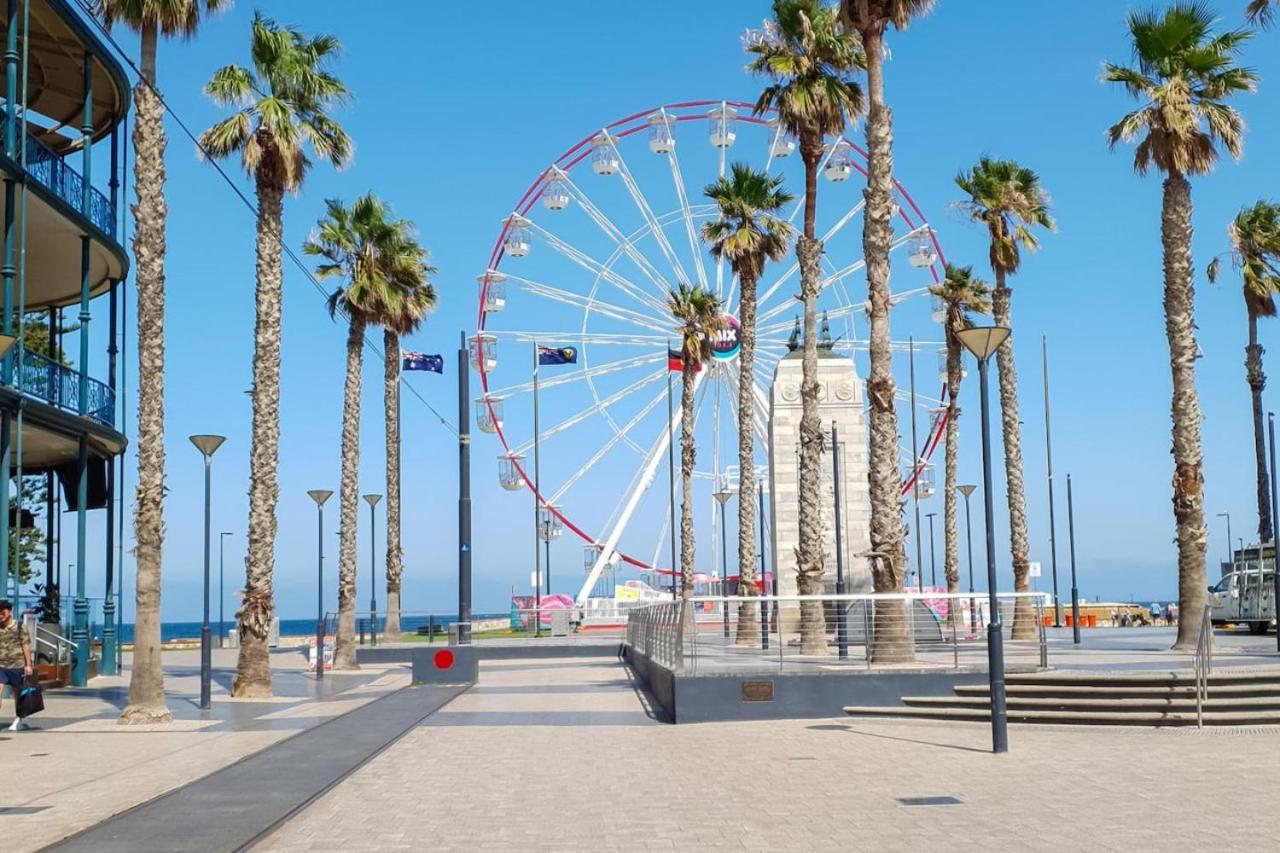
pixel 15 657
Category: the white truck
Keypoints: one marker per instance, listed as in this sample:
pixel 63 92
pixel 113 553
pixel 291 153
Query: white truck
pixel 1245 595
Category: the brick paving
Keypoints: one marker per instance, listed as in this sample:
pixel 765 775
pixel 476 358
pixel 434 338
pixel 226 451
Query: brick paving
pixel 562 755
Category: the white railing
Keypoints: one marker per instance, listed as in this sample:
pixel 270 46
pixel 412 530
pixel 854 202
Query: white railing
pixel 1203 662
pixel 942 629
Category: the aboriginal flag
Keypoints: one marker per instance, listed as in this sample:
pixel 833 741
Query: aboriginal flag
pixel 557 355
pixel 675 361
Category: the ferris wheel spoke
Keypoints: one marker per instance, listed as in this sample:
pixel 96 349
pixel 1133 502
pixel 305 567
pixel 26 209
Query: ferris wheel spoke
pixel 589 302
pixel 646 211
pixel 695 246
pixel 613 442
pixel 582 415
pixel 795 265
pixel 579 375
pixel 625 243
pixel 590 264
pixel 655 341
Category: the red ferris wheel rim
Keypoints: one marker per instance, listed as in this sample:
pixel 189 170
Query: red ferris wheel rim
pixel 567 161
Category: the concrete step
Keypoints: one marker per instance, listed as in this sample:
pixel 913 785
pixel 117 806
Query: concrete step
pixel 1098 718
pixel 1116 706
pixel 1109 691
pixel 1222 676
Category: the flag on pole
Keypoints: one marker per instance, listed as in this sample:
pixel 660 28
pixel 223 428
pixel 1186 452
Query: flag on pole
pixel 419 361
pixel 675 361
pixel 557 355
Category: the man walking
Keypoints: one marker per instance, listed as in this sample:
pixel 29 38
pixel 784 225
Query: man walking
pixel 15 657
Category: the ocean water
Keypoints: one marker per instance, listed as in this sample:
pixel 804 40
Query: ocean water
pixel 170 631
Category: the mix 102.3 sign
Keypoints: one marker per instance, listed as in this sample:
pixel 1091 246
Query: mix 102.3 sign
pixel 726 342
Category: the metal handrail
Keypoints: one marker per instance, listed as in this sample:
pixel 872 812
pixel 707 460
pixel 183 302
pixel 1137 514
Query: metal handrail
pixel 52 171
pixel 1203 662
pixel 58 643
pixel 45 379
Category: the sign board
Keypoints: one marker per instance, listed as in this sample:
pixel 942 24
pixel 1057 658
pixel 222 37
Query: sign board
pixel 535 580
pixel 1034 570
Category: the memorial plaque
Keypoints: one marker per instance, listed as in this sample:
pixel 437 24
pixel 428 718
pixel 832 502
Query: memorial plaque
pixel 757 691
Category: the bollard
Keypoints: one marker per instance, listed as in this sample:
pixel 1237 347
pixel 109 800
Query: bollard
pixel 1070 620
pixel 360 623
pixel 431 629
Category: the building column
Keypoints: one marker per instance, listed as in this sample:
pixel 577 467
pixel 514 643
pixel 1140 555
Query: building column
pixel 108 665
pixel 80 631
pixel 8 271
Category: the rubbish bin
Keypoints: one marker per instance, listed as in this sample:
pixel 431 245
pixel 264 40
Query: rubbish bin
pixel 559 623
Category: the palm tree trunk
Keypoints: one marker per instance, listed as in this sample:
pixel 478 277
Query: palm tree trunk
pixel 146 679
pixel 950 510
pixel 253 668
pixel 391 397
pixel 748 612
pixel 809 551
pixel 892 639
pixel 1257 384
pixel 688 456
pixel 344 650
pixel 1024 616
pixel 1188 477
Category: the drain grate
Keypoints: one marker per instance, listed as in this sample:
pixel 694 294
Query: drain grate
pixel 21 809
pixel 930 801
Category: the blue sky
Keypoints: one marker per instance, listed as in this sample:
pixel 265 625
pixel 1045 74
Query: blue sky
pixel 456 113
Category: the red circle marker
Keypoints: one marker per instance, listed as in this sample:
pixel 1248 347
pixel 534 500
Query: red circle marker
pixel 443 659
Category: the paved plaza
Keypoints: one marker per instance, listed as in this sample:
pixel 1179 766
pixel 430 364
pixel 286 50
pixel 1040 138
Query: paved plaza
pixel 568 754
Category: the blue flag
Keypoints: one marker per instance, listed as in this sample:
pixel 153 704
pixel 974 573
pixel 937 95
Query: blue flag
pixel 418 361
pixel 557 355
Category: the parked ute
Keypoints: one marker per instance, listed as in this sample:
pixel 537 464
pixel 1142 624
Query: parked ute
pixel 1244 597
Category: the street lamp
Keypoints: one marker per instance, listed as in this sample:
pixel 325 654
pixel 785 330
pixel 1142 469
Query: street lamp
pixel 982 341
pixel 222 630
pixel 372 500
pixel 1227 516
pixel 207 445
pixel 933 566
pixel 320 496
pixel 722 496
pixel 968 530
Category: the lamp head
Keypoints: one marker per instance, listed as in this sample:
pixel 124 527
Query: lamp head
pixel 723 495
pixel 967 490
pixel 372 499
pixel 320 495
pixel 982 341
pixel 208 444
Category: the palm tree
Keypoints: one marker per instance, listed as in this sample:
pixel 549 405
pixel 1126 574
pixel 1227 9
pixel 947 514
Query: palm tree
pixel 402 318
pixel 807 54
pixel 1007 198
pixel 1185 73
pixel 962 294
pixel 380 265
pixel 1255 251
pixel 697 313
pixel 150 19
pixel 748 233
pixel 281 106
pixel 1261 12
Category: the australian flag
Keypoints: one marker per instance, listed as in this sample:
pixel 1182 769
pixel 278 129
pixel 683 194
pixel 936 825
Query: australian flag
pixel 557 355
pixel 419 361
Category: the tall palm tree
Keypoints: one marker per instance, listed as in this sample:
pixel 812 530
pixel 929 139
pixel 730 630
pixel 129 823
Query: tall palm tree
pixel 697 313
pixel 809 57
pixel 1007 198
pixel 380 265
pixel 150 19
pixel 281 105
pixel 1255 251
pixel 748 233
pixel 961 294
pixel 1185 73
pixel 404 317
pixel 1261 12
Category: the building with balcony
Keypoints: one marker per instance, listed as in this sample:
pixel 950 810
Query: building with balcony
pixel 65 100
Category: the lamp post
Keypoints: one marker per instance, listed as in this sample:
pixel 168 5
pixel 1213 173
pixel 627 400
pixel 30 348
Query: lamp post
pixel 933 566
pixel 842 617
pixel 1227 516
pixel 372 500
pixel 1275 501
pixel 207 445
pixel 320 496
pixel 982 341
pixel 968 531
pixel 222 629
pixel 722 496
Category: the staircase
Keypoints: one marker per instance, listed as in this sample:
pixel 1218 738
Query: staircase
pixel 1245 698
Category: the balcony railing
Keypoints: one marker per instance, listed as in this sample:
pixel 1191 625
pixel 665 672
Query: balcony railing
pixel 66 183
pixel 59 385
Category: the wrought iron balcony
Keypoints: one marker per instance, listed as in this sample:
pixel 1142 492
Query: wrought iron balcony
pixel 47 380
pixel 52 171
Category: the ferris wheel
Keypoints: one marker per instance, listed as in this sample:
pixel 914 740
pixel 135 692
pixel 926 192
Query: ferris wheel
pixel 585 262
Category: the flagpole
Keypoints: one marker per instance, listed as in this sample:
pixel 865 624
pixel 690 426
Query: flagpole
pixel 464 493
pixel 537 486
pixel 671 469
pixel 915 465
pixel 1048 459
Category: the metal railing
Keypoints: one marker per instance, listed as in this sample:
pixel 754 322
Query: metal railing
pixel 63 650
pixel 45 379
pixel 1203 662
pixel 52 171
pixel 820 631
